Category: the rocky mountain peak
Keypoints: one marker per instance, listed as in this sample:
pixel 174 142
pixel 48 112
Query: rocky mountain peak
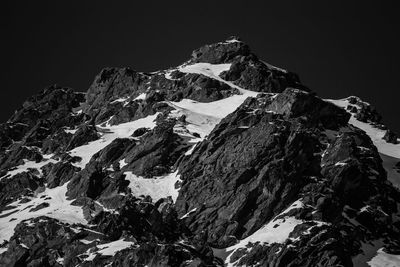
pixel 223 160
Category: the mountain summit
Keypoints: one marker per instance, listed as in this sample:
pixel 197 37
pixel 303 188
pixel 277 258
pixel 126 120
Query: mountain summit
pixel 224 160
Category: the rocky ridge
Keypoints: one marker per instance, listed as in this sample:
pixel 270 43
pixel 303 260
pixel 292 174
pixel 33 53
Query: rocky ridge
pixel 223 160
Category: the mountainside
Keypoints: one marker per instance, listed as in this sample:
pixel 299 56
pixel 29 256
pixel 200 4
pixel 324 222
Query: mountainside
pixel 224 160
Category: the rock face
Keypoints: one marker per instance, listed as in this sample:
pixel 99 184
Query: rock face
pixel 223 160
pixel 262 151
pixel 247 70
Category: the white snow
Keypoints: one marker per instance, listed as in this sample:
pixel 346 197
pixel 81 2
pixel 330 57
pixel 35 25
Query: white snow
pixel 188 213
pixel 168 76
pixel 270 234
pixel 156 188
pixel 122 163
pixel 213 71
pixel 23 245
pixel 190 151
pixel 218 109
pixel 123 130
pixel 276 231
pixel 392 150
pixel 364 209
pixel 383 259
pixel 109 249
pixel 28 164
pixel 59 208
pixel 142 96
pixel 85 241
pixel 232 41
pixel 2 250
pixel 122 99
pixel 202 117
pixel 207 69
pixel 60 260
pixel 70 131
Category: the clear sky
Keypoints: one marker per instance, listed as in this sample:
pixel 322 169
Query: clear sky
pixel 338 48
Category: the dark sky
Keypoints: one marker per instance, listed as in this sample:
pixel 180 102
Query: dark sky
pixel 338 48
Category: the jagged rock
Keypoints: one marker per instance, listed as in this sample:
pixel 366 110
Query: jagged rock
pixel 157 151
pixel 367 113
pixel 54 104
pixel 346 165
pixel 153 254
pixel 192 86
pixel 59 173
pixel 110 85
pixel 10 133
pixel 202 89
pixel 44 241
pixel 40 206
pixel 352 109
pixel 364 112
pixel 397 166
pixel 110 96
pixel 21 184
pixel 140 132
pixel 17 154
pixel 57 142
pixel 141 219
pixel 296 103
pixel 220 52
pixel 320 253
pixel 390 137
pixel 112 152
pixel 90 182
pixel 82 136
pixel 236 176
pixel 247 71
pixel 252 74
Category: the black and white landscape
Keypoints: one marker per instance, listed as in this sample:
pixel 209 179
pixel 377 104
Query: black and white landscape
pixel 224 160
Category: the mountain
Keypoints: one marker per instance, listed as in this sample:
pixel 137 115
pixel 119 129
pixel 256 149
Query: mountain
pixel 224 160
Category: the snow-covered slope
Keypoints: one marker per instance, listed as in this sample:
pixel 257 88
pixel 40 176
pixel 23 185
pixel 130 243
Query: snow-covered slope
pixel 110 133
pixel 275 231
pixel 54 205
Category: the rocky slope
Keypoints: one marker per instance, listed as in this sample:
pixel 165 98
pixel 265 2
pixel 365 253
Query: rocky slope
pixel 222 161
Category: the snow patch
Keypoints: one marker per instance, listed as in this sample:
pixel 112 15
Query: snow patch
pixel 70 131
pixel 213 71
pixel 276 231
pixel 207 69
pixel 202 117
pixel 383 259
pixel 108 249
pixel 122 163
pixel 188 214
pixel 142 96
pixel 156 188
pixel 28 164
pixel 59 208
pixel 110 133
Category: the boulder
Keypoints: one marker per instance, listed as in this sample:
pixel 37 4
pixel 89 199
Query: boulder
pixel 391 137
